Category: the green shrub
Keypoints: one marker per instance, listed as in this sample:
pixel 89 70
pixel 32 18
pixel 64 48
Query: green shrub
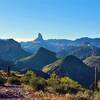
pixel 27 77
pixel 69 82
pixel 61 88
pixel 38 83
pixel 53 80
pixel 85 95
pixel 14 80
pixel 2 81
pixel 62 85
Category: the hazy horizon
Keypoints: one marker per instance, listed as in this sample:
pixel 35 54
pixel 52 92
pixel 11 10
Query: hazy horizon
pixel 32 39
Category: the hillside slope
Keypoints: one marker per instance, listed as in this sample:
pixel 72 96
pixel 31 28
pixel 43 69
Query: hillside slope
pixel 11 50
pixel 72 67
pixel 81 52
pixel 42 58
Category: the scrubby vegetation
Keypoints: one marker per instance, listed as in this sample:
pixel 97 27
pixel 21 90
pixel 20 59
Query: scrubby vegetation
pixel 2 81
pixel 53 84
pixel 14 80
pixel 53 87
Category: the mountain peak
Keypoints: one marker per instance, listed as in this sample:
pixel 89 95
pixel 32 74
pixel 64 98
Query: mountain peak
pixel 39 35
pixel 39 38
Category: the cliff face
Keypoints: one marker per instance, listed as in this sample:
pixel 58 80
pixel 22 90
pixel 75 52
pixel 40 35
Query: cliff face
pixel 11 50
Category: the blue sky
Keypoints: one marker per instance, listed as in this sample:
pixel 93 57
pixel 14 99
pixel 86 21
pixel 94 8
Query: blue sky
pixel 69 19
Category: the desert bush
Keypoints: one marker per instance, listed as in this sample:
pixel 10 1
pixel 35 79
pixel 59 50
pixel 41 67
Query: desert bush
pixel 53 80
pixel 69 82
pixel 62 85
pixel 38 83
pixel 53 84
pixel 2 81
pixel 85 95
pixel 14 80
pixel 62 89
pixel 27 77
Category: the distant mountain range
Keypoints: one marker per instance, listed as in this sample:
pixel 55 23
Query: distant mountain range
pixel 75 59
pixel 81 52
pixel 57 45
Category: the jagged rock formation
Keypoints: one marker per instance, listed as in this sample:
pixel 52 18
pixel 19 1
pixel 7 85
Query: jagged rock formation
pixel 35 45
pixel 39 38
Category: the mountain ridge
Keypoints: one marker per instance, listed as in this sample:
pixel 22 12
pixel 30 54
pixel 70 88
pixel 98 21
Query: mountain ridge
pixel 72 67
pixel 56 45
pixel 11 50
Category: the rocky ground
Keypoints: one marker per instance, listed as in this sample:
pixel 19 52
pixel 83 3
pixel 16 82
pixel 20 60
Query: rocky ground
pixel 17 92
pixel 11 92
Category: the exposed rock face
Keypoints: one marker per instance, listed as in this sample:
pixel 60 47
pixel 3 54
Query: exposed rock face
pixel 93 61
pixel 73 68
pixel 38 61
pixel 35 45
pixel 39 38
pixel 11 50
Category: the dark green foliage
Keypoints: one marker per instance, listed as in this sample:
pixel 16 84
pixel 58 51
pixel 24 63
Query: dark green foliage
pixel 38 84
pixel 53 80
pixel 14 80
pixel 2 81
pixel 62 85
pixel 27 77
pixel 55 83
